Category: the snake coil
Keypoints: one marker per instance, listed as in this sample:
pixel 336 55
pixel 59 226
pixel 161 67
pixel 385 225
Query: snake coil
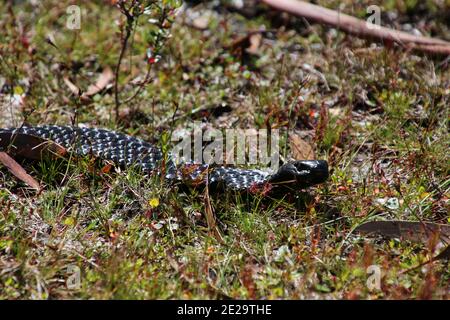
pixel 125 150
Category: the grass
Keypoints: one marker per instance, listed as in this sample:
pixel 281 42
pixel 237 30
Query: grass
pixel 378 115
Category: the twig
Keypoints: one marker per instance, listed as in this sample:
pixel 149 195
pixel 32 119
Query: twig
pixel 360 27
pixel 119 62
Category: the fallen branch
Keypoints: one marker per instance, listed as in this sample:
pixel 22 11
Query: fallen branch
pixel 358 27
pixel 17 170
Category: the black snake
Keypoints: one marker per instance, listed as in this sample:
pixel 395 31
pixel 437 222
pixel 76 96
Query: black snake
pixel 125 150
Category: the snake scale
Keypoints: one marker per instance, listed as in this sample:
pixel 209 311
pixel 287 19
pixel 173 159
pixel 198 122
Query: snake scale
pixel 125 151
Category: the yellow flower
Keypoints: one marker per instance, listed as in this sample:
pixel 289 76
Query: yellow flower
pixel 69 221
pixel 153 202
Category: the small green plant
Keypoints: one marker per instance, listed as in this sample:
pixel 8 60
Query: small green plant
pixel 159 17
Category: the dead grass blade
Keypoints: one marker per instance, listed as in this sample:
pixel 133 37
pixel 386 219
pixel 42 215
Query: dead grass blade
pixel 210 219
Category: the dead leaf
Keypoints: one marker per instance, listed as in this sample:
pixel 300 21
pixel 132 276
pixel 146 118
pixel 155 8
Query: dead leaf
pixel 103 80
pixel 17 170
pixel 300 149
pixel 250 43
pixel 201 22
pixel 72 87
pixel 409 230
pixel 255 41
pixel 337 112
pixel 29 146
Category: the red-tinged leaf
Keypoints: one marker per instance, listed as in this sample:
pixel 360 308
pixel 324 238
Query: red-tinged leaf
pixel 107 168
pixel 17 170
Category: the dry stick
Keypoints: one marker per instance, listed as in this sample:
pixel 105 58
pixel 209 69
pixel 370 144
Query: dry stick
pixel 119 62
pixel 140 85
pixel 147 76
pixel 359 27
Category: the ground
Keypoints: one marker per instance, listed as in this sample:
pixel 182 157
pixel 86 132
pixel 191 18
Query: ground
pixel 378 114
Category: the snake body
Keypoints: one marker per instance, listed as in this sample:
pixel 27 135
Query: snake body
pixel 125 151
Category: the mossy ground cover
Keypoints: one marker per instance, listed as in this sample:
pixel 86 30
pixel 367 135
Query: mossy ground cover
pixel 378 115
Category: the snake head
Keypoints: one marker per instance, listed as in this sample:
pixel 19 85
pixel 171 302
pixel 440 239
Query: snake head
pixel 304 173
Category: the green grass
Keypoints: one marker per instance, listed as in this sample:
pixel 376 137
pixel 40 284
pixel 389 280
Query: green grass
pixel 379 116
